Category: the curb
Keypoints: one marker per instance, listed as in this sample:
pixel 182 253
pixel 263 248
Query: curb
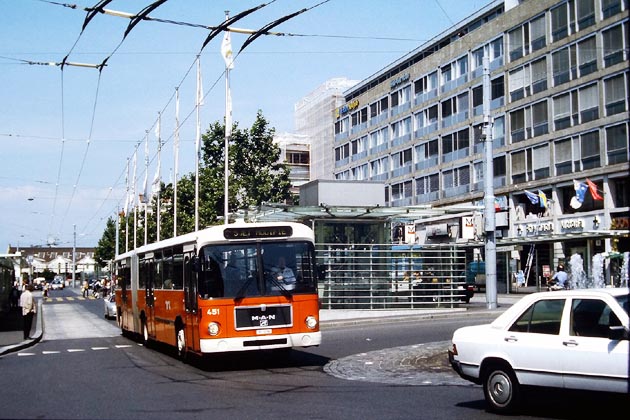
pixel 38 334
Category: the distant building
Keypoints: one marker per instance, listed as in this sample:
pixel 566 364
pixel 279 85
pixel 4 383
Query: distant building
pixel 295 152
pixel 58 260
pixel 314 119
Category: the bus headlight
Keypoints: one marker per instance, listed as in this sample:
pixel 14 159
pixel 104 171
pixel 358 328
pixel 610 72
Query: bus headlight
pixel 213 328
pixel 311 322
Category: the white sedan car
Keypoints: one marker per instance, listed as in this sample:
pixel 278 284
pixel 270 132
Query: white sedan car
pixel 110 306
pixel 574 339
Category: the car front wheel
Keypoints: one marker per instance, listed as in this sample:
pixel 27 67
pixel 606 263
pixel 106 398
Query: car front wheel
pixel 501 389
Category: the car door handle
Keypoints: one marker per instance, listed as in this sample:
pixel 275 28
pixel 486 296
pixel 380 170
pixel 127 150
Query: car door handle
pixel 570 343
pixel 510 339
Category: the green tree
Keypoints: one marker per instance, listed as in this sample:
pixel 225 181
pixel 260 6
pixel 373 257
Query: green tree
pixel 106 248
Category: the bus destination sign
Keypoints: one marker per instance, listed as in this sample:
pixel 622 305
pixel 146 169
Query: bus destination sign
pixel 258 232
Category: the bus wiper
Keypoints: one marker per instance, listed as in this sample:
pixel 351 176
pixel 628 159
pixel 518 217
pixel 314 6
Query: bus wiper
pixel 241 292
pixel 281 287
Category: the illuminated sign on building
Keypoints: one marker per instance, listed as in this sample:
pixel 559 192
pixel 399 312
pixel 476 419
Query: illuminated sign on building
pixel 343 110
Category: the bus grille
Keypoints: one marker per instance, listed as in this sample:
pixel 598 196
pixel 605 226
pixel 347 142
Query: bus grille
pixel 263 316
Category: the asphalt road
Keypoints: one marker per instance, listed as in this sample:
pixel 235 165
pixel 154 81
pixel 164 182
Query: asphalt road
pixel 83 368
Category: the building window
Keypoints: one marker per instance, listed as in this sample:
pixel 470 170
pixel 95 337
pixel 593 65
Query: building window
pixel 456 181
pixel 539 75
pixel 541 162
pixel 515 40
pixel 585 13
pixel 540 119
pixel 427 188
pixel 559 23
pixel 517 81
pixel 562 111
pixel 589 150
pixel 426 155
pixel 402 193
pixel 617 144
pixel 563 156
pixel 613 40
pixel 611 7
pixel 497 92
pixel 589 103
pixel 499 171
pixel 587 56
pixel 538 34
pixel 616 95
pixel 521 166
pixel 455 145
pixel 517 125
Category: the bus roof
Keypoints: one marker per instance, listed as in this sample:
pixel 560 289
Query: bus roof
pixel 216 234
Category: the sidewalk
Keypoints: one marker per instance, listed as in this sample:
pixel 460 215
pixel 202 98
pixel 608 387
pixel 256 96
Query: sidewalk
pixel 11 323
pixel 11 335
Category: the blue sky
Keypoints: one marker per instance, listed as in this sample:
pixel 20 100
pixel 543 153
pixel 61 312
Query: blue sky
pixel 67 135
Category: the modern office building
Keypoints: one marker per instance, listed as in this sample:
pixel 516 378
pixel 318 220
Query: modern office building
pixel 558 101
pixel 295 151
pixel 314 119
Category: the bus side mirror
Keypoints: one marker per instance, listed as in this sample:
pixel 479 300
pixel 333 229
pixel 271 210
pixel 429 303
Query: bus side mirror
pixel 195 264
pixel 321 272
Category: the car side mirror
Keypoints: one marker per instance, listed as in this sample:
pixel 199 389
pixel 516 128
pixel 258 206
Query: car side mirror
pixel 618 333
pixel 195 264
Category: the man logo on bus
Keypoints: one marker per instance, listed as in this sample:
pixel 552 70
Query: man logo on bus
pixel 264 320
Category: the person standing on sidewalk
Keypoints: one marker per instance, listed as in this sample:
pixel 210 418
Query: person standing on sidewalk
pixel 28 309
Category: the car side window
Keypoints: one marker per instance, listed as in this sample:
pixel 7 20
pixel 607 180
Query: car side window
pixel 592 318
pixel 542 317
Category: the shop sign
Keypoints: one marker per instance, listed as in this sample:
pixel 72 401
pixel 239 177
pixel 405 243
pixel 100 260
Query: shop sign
pixel 537 228
pixel 399 80
pixel 572 224
pixel 343 110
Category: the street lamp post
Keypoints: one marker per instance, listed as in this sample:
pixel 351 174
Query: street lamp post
pixel 74 255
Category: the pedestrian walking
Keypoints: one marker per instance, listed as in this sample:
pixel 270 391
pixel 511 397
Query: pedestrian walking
pixel 28 309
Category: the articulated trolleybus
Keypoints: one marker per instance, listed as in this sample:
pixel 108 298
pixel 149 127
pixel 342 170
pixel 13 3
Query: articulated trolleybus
pixel 237 287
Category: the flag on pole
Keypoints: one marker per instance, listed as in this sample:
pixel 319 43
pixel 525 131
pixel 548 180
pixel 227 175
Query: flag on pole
pixel 226 51
pixel 533 198
pixel 145 195
pixel 593 189
pixel 126 210
pixel 580 192
pixel 132 197
pixel 155 185
pixel 543 199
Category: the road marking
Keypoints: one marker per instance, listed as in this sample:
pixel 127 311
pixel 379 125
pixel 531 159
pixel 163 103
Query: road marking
pixel 100 348
pixel 75 350
pixel 26 354
pixel 51 352
pixel 122 346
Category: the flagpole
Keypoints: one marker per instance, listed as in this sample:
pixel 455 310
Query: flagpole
pixel 197 149
pixel 159 152
pixel 144 190
pixel 228 120
pixel 176 157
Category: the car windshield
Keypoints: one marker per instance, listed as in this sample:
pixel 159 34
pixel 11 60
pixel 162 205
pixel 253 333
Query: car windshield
pixel 624 302
pixel 259 269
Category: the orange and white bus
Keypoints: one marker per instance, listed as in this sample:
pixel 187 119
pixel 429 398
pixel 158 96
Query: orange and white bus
pixel 237 287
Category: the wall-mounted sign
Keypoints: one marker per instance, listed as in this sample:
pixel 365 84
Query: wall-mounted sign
pixel 572 224
pixel 399 80
pixel 343 110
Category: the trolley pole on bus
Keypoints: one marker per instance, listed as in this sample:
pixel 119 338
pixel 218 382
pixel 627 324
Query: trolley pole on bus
pixel 488 201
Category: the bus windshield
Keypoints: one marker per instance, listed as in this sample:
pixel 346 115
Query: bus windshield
pixel 257 269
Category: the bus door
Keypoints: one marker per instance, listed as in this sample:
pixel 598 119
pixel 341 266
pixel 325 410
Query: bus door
pixel 149 267
pixel 190 301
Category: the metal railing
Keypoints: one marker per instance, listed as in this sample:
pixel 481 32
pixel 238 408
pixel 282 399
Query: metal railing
pixel 391 276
